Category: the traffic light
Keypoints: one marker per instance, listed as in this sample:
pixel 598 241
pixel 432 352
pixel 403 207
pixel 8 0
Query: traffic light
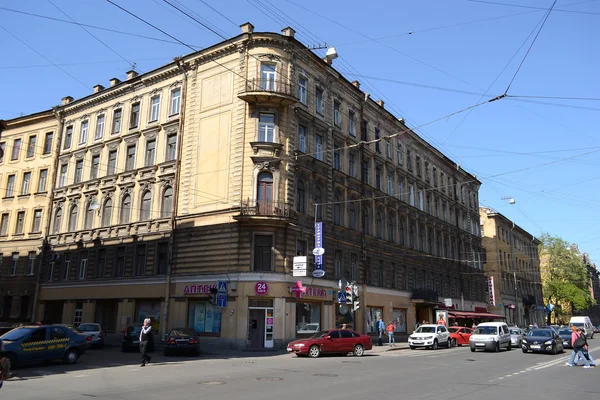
pixel 356 304
pixel 213 296
pixel 349 294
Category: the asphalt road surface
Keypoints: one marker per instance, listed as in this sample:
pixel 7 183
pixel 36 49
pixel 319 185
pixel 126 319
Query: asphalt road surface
pixel 442 374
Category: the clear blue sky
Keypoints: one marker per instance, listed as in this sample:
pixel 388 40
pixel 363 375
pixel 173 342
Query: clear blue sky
pixel 443 51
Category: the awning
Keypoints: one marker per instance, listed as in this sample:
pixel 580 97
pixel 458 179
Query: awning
pixel 472 314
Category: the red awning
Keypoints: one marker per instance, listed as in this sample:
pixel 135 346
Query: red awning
pixel 472 314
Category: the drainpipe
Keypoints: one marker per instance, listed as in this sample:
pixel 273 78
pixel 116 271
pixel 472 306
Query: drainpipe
pixel 163 325
pixel 59 118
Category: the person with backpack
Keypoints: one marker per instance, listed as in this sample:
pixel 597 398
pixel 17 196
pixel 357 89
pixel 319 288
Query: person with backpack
pixel 585 351
pixel 578 342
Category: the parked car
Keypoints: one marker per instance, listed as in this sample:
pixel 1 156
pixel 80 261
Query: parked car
pixel 459 335
pixel 130 340
pixel 340 341
pixel 430 336
pixel 490 336
pixel 565 335
pixel 542 340
pixel 95 332
pixel 35 343
pixel 515 336
pixel 181 340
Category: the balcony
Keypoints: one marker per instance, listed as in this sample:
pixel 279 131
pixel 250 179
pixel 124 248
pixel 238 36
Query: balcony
pixel 268 210
pixel 424 296
pixel 275 92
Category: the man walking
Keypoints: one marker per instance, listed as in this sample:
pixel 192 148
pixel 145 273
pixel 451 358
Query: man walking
pixel 380 329
pixel 146 339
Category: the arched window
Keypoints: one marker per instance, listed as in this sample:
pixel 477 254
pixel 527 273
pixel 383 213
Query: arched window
pixel 301 197
pixel 264 193
pixel 89 216
pixel 73 218
pixel 391 228
pixel 337 210
pixel 107 213
pixel 146 206
pixel 57 220
pixel 318 201
pixel 125 209
pixel 366 221
pixel 167 202
pixel 352 215
pixel 380 227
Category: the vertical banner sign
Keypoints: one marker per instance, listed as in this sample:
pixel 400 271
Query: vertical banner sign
pixel 491 295
pixel 318 252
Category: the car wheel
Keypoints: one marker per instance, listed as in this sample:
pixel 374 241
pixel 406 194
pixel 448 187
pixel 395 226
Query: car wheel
pixel 435 344
pixel 509 348
pixel 10 361
pixel 412 347
pixel 524 350
pixel 453 344
pixel 554 350
pixel 314 351
pixel 71 356
pixel 497 349
pixel 472 349
pixel 449 343
pixel 359 350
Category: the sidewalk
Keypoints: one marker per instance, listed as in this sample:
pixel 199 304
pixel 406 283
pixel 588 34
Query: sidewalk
pixel 386 347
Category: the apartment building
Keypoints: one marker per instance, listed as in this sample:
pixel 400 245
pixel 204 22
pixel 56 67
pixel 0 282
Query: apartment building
pixel 216 167
pixel 512 259
pixel 26 169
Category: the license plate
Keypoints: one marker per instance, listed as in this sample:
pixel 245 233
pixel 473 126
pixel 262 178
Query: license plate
pixel 417 342
pixel 289 349
pixel 182 341
pixel 536 346
pixel 480 344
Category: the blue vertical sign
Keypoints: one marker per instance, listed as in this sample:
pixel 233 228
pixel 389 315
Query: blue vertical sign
pixel 318 252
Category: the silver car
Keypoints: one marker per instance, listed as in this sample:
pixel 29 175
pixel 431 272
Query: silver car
pixel 95 332
pixel 516 334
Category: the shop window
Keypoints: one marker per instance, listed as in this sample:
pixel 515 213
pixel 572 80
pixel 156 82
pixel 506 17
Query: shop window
pixel 399 320
pixel 308 318
pixel 372 315
pixel 78 317
pixel 148 309
pixel 203 317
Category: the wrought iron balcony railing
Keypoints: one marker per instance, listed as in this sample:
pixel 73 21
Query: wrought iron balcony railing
pixel 269 90
pixel 265 208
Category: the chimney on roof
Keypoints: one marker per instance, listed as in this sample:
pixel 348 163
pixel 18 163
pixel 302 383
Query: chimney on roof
pixel 356 83
pixel 289 32
pixel 131 74
pixel 247 27
pixel 381 103
pixel 114 82
pixel 328 61
pixel 98 88
pixel 66 100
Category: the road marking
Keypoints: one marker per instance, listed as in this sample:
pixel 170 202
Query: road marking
pixel 80 376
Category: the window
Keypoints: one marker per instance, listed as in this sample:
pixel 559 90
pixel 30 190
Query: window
pixel 421 203
pixel 427 177
pixel 434 173
pixel 111 168
pixel 31 263
pixel 48 142
pixel 117 116
pixel 68 138
pixel 62 176
pixel 99 127
pixel 264 193
pixel 10 186
pixel 401 232
pixel 388 149
pixel 150 152
pixel 380 226
pixel 352 215
pixel 14 264
pixel 302 138
pixel 352 164
pixel 83 132
pixel 399 153
pixel 401 189
pixel 66 269
pixel 378 142
pixel 134 117
pixel 351 124
pixel 319 101
pixel 319 147
pixel 162 260
pixel 125 209
pixel 16 149
pixel 50 270
pixel 89 216
pixel 4 225
pixel 2 150
pixel 78 171
pixel 167 202
pixel 107 213
pixel 171 147
pixel 154 108
pixel 390 185
pixel 337 210
pixel 20 223
pixel 411 195
pixel 140 260
pixel 302 90
pixel 101 263
pixel 263 245
pixel 366 171
pixel 73 218
pixel 267 76
pixel 337 264
pixel 31 146
pixel 378 183
pixel 37 221
pixel 418 165
pixel 204 317
pixel 308 318
pixel 364 130
pixel 146 208
pixel 391 228
pixel 175 101
pixel 95 166
pixel 119 267
pixel 266 128
pixel 301 247
pixel 338 162
pixel 130 161
pixel 57 220
pixel 318 202
pixel 301 204
pixel 25 184
pixel 366 221
pixel 337 114
pixel 42 180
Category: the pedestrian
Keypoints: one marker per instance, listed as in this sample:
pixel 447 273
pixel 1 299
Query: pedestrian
pixel 578 342
pixel 474 326
pixel 390 330
pixel 417 325
pixel 535 325
pixel 585 351
pixel 146 339
pixel 380 329
pixel 344 326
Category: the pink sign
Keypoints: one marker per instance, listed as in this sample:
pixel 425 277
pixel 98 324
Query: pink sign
pixel 270 321
pixel 197 289
pixel 300 290
pixel 261 288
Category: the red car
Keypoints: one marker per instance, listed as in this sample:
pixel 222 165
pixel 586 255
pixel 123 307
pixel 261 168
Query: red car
pixel 340 341
pixel 460 335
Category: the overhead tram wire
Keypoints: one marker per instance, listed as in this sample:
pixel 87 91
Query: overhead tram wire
pixel 220 13
pixel 204 24
pixel 541 8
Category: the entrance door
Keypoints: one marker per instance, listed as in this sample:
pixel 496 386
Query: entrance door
pixel 106 314
pixel 264 193
pixel 269 321
pixel 256 328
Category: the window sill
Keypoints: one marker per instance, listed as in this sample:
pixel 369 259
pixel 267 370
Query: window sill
pixel 45 193
pixel 18 235
pixel 23 196
pixel 8 198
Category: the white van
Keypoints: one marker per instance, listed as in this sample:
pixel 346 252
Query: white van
pixel 490 336
pixel 585 323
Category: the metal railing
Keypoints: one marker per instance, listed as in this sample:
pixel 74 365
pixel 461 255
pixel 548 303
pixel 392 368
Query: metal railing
pixel 271 86
pixel 265 208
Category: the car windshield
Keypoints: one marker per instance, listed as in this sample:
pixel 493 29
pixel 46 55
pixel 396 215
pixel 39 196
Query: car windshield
pixel 515 331
pixel 453 330
pixel 564 332
pixel 183 332
pixel 89 327
pixel 577 324
pixel 17 334
pixel 426 329
pixel 486 330
pixel 319 335
pixel 540 332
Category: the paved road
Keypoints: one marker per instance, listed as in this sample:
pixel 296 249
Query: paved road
pixel 420 374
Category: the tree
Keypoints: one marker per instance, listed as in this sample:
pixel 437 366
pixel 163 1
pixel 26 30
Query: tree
pixel 565 280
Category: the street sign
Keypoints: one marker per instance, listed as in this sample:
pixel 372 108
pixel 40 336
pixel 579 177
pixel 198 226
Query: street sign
pixel 299 266
pixel 342 297
pixel 222 287
pixel 318 273
pixel 319 251
pixel 222 300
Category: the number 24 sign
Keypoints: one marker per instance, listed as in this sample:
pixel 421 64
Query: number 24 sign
pixel 261 288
